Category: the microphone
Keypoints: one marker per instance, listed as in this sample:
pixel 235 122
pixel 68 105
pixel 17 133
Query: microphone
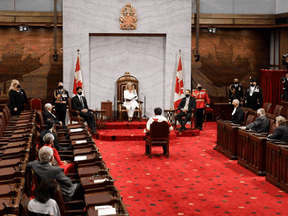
pixel 219 115
pixel 145 117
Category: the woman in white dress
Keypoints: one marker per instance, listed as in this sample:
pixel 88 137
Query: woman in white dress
pixel 130 100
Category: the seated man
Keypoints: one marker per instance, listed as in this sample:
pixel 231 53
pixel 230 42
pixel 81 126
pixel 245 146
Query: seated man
pixel 281 132
pixel 159 118
pixel 186 105
pixel 49 129
pixel 238 113
pixel 80 103
pixel 43 169
pixel 48 114
pixel 261 123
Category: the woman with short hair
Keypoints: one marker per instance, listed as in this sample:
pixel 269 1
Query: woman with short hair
pixel 130 100
pixel 43 203
pixel 17 98
pixel 281 132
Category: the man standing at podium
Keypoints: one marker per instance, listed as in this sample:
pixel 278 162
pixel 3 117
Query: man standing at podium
pixel 79 103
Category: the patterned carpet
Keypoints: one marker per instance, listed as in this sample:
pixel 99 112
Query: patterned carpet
pixel 195 180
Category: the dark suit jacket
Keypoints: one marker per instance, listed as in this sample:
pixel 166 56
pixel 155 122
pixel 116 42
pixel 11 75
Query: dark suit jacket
pixel 191 105
pixel 238 116
pixel 280 133
pixel 256 100
pixel 47 115
pixel 46 131
pixel 45 170
pixel 77 105
pixel 260 125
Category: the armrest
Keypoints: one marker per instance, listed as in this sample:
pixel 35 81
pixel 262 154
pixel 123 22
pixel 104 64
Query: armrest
pixel 139 101
pixel 74 111
pixel 119 102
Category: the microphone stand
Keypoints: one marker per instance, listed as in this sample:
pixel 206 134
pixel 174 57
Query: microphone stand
pixel 144 117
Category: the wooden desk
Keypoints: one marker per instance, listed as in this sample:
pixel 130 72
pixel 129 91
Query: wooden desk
pixel 107 106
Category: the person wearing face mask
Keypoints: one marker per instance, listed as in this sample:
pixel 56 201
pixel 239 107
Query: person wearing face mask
pixel 254 96
pixel 185 106
pixel 79 103
pixel 60 97
pixel 261 123
pixel 285 87
pixel 17 98
pixel 235 91
pixel 202 100
pixel 281 132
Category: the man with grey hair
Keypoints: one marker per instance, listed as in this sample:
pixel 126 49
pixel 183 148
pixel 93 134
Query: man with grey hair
pixel 281 132
pixel 48 114
pixel 261 123
pixel 44 169
pixel 238 113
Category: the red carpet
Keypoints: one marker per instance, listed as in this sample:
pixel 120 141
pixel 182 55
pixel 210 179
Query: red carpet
pixel 195 180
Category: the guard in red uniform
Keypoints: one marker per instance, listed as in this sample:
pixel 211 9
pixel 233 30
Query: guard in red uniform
pixel 202 100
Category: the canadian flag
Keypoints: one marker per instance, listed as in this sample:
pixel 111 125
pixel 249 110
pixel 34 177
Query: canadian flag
pixel 78 76
pixel 179 86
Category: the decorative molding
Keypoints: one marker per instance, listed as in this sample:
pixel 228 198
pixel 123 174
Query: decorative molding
pixel 128 18
pixel 29 18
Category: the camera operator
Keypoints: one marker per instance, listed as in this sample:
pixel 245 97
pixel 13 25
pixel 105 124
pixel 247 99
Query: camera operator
pixel 285 60
pixel 284 80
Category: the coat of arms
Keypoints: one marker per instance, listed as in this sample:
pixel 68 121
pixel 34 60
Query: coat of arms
pixel 128 17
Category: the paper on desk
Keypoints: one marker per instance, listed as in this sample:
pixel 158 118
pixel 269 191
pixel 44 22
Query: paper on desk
pixel 81 141
pixel 80 158
pixel 76 130
pixel 98 181
pixel 108 211
pixel 103 207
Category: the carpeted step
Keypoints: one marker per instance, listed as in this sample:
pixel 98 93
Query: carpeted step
pixel 126 135
pixel 126 125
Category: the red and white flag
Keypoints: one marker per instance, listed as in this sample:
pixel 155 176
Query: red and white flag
pixel 78 76
pixel 179 86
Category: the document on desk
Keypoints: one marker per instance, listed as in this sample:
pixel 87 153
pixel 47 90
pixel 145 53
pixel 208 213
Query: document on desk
pixel 76 130
pixel 81 141
pixel 80 158
pixel 98 181
pixel 105 210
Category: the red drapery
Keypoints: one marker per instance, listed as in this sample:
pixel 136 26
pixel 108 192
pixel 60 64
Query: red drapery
pixel 271 85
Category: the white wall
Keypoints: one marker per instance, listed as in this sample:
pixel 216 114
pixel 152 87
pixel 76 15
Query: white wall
pixel 242 6
pixel 30 5
pixel 84 17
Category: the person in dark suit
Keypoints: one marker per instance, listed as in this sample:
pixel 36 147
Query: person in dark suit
pixel 49 129
pixel 235 91
pixel 43 169
pixel 261 123
pixel 17 97
pixel 281 132
pixel 79 103
pixel 238 113
pixel 60 97
pixel 186 105
pixel 47 114
pixel 254 96
pixel 285 87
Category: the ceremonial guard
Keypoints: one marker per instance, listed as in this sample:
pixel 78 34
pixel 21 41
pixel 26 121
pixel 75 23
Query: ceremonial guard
pixel 202 100
pixel 254 96
pixel 60 97
pixel 235 91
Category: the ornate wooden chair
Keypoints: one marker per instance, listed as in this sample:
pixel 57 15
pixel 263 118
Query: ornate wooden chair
pixel 157 136
pixel 74 115
pixel 121 83
pixel 277 110
pixel 36 103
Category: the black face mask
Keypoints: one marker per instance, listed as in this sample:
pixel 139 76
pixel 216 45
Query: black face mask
pixel 252 85
pixel 18 86
pixel 60 87
pixel 187 95
pixel 199 88
pixel 236 83
pixel 79 93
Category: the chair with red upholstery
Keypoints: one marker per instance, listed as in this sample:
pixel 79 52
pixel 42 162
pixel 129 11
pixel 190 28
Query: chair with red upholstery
pixel 36 103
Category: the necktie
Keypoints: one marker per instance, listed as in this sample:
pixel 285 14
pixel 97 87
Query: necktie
pixel 81 100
